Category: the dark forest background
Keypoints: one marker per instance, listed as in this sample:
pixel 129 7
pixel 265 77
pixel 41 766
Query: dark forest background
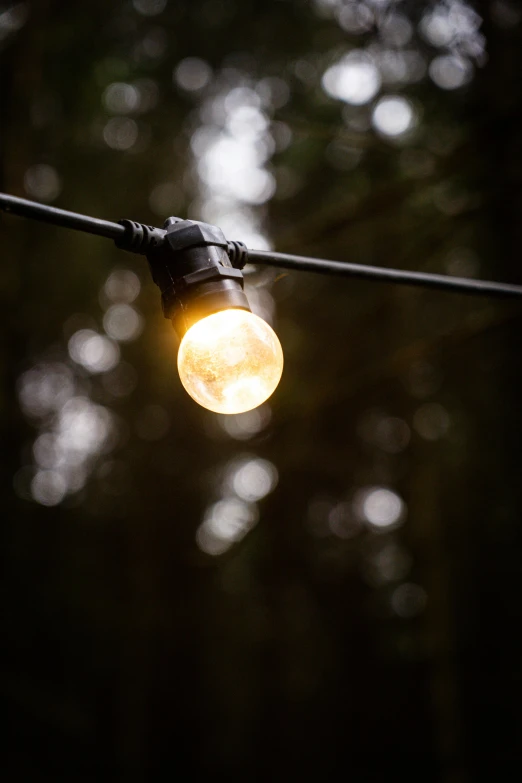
pixel 331 585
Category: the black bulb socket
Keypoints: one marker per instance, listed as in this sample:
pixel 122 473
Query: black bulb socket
pixel 194 273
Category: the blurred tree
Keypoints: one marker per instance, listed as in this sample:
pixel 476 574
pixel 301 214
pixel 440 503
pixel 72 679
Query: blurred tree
pixel 159 613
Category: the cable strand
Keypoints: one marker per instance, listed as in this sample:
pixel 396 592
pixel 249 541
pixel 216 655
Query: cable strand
pixel 60 217
pixel 396 276
pixel 139 238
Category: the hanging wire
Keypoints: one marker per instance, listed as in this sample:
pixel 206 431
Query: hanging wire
pixel 60 217
pixel 130 236
pixel 397 276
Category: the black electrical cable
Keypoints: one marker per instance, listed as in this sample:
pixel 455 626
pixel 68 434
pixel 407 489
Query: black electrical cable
pixel 398 276
pixel 140 238
pixel 60 217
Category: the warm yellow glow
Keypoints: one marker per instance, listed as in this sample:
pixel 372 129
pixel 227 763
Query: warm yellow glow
pixel 230 362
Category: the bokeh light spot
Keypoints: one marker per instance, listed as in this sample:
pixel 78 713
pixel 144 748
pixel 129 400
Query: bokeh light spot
pixel 122 285
pixel 192 74
pixel 45 388
pixel 121 133
pixel 251 479
pixel 355 79
pixel 93 351
pixel 122 322
pixel 225 523
pixel 450 72
pixel 380 507
pixel 120 98
pixel 393 116
pixel 42 182
pixel 48 487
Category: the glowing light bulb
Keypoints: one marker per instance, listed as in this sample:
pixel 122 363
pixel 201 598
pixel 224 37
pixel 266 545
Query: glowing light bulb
pixel 231 361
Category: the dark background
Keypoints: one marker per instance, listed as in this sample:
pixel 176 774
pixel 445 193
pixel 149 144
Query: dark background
pixel 351 607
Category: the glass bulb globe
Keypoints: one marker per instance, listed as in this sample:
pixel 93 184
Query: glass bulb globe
pixel 230 362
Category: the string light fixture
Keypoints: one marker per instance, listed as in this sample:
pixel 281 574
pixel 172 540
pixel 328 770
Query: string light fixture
pixel 229 359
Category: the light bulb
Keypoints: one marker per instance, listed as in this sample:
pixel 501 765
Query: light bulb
pixel 230 361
